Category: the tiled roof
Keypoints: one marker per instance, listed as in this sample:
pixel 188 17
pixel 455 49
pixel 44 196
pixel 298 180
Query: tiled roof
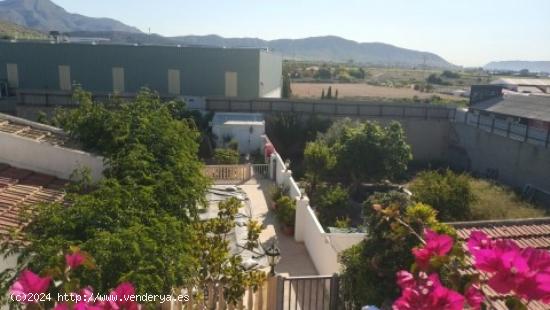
pixel 525 232
pixel 20 188
pixel 32 130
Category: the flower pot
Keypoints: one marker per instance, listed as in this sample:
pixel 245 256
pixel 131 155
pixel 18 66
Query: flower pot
pixel 288 230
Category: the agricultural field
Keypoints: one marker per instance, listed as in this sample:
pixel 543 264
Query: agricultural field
pixel 362 90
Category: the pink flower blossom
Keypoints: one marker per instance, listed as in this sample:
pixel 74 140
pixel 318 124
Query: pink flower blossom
pixel 436 245
pixel 474 297
pixel 427 293
pixel 29 283
pixel 123 293
pixel 74 260
pixel 524 272
pixel 405 279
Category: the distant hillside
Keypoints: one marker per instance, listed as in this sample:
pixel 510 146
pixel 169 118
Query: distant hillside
pixel 45 15
pixel 517 65
pixel 328 48
pixel 13 31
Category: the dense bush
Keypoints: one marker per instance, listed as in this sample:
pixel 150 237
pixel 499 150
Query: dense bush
pixel 447 192
pixel 226 156
pixel 331 204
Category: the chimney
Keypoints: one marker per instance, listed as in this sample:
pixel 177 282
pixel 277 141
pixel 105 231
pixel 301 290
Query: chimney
pixel 480 93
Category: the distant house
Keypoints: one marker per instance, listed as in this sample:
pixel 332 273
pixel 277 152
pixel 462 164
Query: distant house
pixel 531 110
pixel 524 85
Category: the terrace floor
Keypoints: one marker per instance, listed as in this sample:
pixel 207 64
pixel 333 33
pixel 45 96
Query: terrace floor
pixel 295 260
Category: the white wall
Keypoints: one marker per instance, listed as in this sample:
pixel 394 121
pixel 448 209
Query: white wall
pixel 46 158
pixel 276 93
pixel 323 248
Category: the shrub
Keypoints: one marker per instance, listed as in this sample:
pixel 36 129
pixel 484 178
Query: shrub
pixel 226 156
pixel 286 211
pixel 447 192
pixel 333 202
pixel 233 144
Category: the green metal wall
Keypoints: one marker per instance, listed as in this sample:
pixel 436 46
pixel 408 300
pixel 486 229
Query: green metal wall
pixel 202 70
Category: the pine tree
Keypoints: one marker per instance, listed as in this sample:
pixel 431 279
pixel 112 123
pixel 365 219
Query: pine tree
pixel 323 94
pixel 329 92
pixel 336 94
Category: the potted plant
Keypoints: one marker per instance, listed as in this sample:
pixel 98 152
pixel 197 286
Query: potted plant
pixel 286 214
pixel 276 194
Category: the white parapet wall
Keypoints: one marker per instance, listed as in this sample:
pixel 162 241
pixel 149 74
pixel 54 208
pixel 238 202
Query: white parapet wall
pixel 46 158
pixel 323 248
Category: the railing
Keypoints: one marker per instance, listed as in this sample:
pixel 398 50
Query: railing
pixel 504 128
pixel 308 293
pixel 228 174
pixel 260 171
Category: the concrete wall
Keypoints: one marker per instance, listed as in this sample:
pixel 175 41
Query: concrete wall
pixel 518 163
pixel 45 158
pixel 202 70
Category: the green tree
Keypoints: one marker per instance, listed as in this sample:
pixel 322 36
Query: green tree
pixel 319 160
pixel 370 152
pixel 323 93
pixel 136 221
pixel 447 192
pixel 329 92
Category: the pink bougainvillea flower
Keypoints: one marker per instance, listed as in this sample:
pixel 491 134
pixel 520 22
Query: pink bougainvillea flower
pixel 427 293
pixel 405 279
pixel 512 270
pixel 478 240
pixel 436 245
pixel 29 283
pixel 123 293
pixel 74 260
pixel 474 297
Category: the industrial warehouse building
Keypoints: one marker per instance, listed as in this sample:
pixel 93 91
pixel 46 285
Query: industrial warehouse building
pixel 124 69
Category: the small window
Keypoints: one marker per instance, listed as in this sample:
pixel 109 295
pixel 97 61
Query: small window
pixel 231 84
pixel 64 77
pixel 174 86
pixel 13 75
pixel 118 80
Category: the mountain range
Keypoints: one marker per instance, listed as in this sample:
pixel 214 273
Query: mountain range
pixel 325 48
pixel 517 65
pixel 45 15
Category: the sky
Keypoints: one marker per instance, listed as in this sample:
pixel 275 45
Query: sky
pixel 464 32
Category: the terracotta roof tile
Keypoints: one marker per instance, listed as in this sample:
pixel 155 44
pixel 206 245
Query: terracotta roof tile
pixel 525 232
pixel 21 188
